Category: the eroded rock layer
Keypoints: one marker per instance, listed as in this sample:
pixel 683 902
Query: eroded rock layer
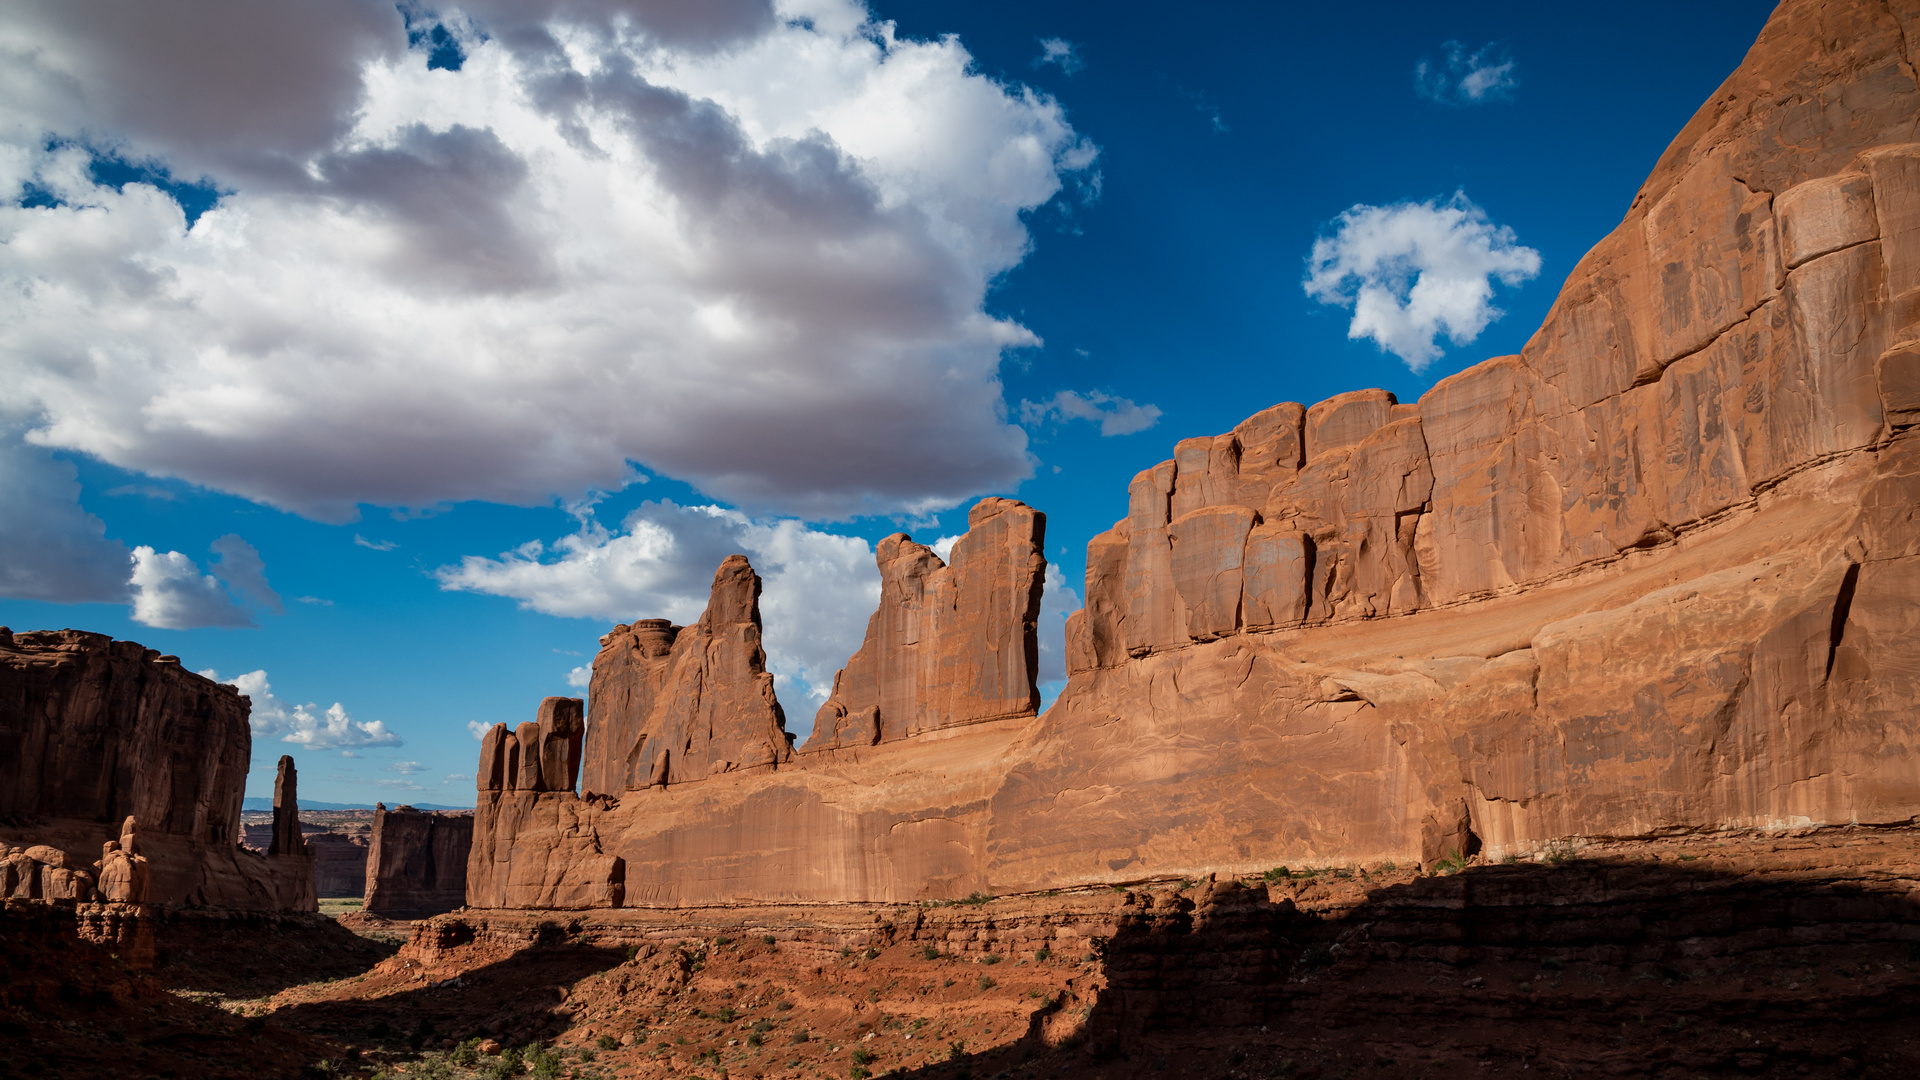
pixel 97 733
pixel 1657 574
pixel 950 644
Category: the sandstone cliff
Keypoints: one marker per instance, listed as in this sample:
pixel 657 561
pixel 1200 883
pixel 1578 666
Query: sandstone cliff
pixel 94 731
pixel 417 864
pixel 1657 574
pixel 950 644
pixel 672 704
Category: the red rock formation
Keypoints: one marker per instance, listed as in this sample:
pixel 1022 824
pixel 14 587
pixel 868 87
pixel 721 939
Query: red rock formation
pixel 949 645
pixel 417 865
pixel 94 731
pixel 527 847
pixel 671 705
pixel 1659 573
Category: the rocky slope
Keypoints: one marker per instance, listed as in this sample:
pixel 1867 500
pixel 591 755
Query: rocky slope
pixel 96 734
pixel 1658 573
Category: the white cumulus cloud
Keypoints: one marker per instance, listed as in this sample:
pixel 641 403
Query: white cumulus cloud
pixel 1466 78
pixel 1115 415
pixel 738 243
pixel 819 587
pixel 1414 271
pixel 302 725
pixel 580 677
pixel 170 592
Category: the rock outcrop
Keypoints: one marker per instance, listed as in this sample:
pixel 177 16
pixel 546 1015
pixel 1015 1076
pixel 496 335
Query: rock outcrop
pixel 950 644
pixel 417 864
pixel 528 849
pixel 95 731
pixel 1657 574
pixel 674 704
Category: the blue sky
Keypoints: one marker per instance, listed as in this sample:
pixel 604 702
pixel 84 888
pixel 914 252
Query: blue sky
pixel 419 323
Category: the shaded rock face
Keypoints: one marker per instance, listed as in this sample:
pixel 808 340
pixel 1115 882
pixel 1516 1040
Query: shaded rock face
pixel 950 644
pixel 417 864
pixel 94 731
pixel 673 704
pixel 340 864
pixel 1658 573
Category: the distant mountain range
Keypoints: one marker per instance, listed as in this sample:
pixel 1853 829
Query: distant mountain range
pixel 262 803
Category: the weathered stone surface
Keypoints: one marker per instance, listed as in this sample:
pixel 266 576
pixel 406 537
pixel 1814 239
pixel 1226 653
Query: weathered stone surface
pixel 1825 215
pixel 671 706
pixel 632 666
pixel 1657 574
pixel 94 732
pixel 417 864
pixel 951 644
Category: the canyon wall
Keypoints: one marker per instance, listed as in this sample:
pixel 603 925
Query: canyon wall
pixel 1658 573
pixel 417 863
pixel 95 731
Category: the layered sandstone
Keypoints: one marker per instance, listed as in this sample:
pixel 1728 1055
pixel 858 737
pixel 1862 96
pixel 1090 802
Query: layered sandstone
pixel 417 863
pixel 951 644
pixel 528 849
pixel 673 704
pixel 95 731
pixel 1659 573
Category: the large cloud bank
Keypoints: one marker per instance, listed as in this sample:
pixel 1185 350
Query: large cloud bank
pixel 743 244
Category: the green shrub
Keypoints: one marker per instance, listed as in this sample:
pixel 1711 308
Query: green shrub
pixel 766 939
pixel 862 1055
pixel 726 1014
pixel 608 1042
pixel 929 953
pixel 870 954
pixel 859 1072
pixel 466 1055
pixel 985 982
pixel 990 959
pixel 1042 955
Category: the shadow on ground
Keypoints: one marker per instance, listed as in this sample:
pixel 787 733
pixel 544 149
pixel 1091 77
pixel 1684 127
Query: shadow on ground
pixel 1586 968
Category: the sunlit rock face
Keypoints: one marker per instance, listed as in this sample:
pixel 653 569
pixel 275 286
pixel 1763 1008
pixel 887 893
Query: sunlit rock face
pixel 1658 572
